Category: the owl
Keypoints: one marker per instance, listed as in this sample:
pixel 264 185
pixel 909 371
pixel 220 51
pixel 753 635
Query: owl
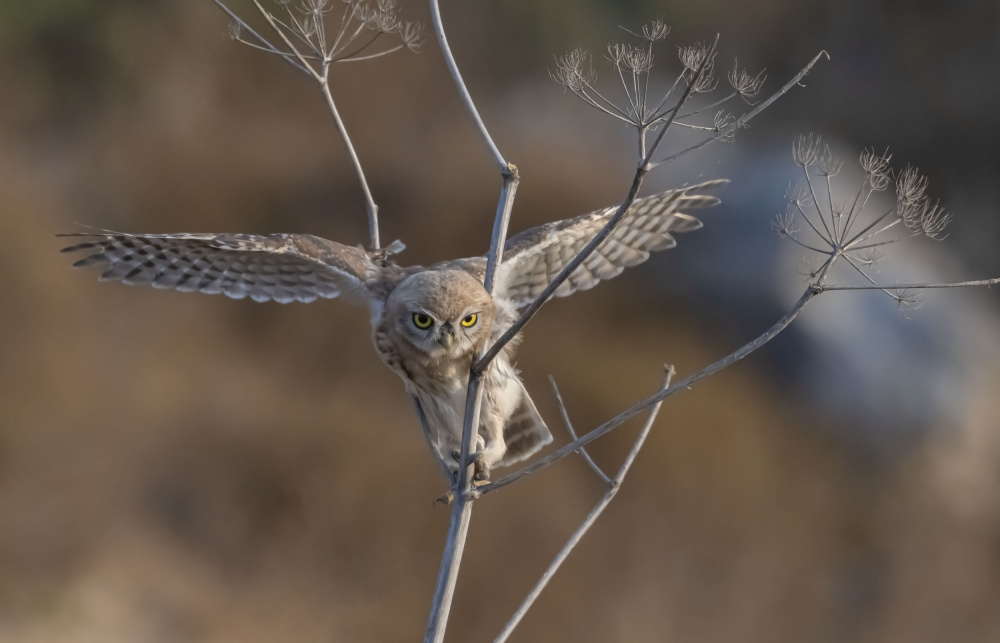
pixel 428 324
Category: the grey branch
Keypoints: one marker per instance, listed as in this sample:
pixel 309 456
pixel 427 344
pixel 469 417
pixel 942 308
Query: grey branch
pixel 953 284
pixel 572 434
pixel 265 44
pixel 640 406
pixel 370 205
pixel 320 74
pixel 461 509
pixel 464 495
pixel 613 486
pixel 640 173
pixel 741 122
pixel 460 84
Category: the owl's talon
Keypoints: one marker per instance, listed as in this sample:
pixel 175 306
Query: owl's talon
pixel 446 499
pixel 475 458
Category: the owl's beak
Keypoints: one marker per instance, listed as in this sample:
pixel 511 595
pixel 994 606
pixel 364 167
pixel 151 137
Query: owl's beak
pixel 447 336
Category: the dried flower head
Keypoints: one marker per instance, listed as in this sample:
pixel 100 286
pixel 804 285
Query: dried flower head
pixel 630 58
pixel 924 218
pixel 876 166
pixel 746 85
pixel 906 299
pixel 871 256
pixel 722 122
pixel 827 163
pixel 699 56
pixel 573 70
pixel 910 185
pixel 805 149
pixel 784 223
pixel 797 194
pixel 655 30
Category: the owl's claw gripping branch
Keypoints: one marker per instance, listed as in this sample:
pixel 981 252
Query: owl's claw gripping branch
pixel 481 473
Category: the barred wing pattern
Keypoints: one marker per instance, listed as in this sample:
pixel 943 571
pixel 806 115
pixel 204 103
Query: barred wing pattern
pixel 279 267
pixel 534 257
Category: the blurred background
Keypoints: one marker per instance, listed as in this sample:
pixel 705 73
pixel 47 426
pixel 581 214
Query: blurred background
pixel 190 468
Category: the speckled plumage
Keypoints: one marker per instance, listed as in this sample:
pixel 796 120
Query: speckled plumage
pixel 433 361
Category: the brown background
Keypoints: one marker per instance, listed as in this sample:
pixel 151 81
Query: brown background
pixel 182 468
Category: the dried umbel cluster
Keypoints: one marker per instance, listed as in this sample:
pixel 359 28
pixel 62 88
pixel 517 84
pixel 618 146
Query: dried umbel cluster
pixel 311 41
pixel 845 228
pixel 633 64
pixel 309 32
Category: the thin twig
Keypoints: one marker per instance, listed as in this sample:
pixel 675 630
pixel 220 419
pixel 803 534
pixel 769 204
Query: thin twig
pixel 638 407
pixel 954 284
pixel 572 433
pixel 609 227
pixel 460 84
pixel 264 41
pixel 613 486
pixel 742 121
pixel 461 510
pixel 288 42
pixel 370 205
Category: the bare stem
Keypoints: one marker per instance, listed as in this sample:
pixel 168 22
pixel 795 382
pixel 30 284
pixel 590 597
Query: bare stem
pixel 458 525
pixel 572 433
pixel 638 407
pixel 613 486
pixel 288 43
pixel 460 84
pixel 463 494
pixel 741 122
pixel 609 227
pixel 265 44
pixel 953 284
pixel 370 206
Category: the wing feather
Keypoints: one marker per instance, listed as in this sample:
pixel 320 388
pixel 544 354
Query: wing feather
pixel 279 267
pixel 533 258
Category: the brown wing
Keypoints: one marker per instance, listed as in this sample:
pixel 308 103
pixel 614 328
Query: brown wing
pixel 534 257
pixel 282 267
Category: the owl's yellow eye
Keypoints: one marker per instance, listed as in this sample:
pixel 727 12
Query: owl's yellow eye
pixel 470 320
pixel 422 321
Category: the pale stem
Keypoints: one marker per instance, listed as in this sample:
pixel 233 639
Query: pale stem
pixel 288 43
pixel 461 510
pixel 460 84
pixel 572 433
pixel 640 406
pixel 819 210
pixel 267 46
pixel 729 129
pixel 613 486
pixel 369 201
pixel 599 238
pixel 953 284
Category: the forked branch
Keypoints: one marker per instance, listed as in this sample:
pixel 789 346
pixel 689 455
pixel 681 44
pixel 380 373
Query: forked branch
pixel 613 485
pixel 461 509
pixel 304 45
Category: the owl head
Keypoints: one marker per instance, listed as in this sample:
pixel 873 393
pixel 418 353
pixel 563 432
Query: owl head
pixel 441 313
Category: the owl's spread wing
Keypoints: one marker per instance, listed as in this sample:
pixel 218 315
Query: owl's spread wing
pixel 282 267
pixel 534 257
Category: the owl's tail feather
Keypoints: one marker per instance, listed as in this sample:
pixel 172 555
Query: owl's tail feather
pixel 525 432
